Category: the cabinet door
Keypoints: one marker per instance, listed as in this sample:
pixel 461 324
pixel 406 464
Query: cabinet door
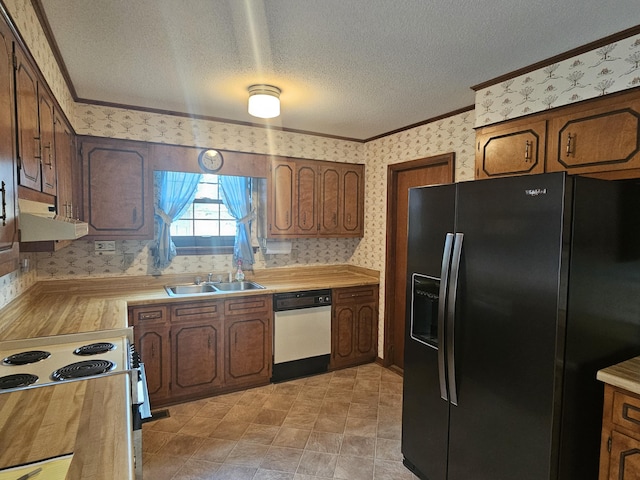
pixel 65 156
pixel 354 325
pixel 247 349
pixel 27 124
pixel 47 147
pixel 352 200
pixel 196 366
pixel 152 342
pixel 281 198
pixel 118 189
pixel 8 194
pixel 514 149
pixel 603 138
pixel 331 176
pixel 625 457
pixel 306 199
pixel 343 335
pixel 366 327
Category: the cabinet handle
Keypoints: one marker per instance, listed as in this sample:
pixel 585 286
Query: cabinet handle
pixel 50 163
pixel 134 216
pixel 304 219
pixel 149 316
pixel 153 350
pixel 235 339
pixel 4 204
pixel 569 138
pixel 348 219
pixel 209 342
pixel 334 217
pixel 527 152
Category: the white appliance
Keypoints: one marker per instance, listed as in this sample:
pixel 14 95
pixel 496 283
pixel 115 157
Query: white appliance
pixel 38 222
pixel 302 333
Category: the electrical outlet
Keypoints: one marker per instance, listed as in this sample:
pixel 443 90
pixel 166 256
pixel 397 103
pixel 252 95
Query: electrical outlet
pixel 104 247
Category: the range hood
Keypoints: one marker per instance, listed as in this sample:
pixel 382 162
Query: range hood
pixel 38 222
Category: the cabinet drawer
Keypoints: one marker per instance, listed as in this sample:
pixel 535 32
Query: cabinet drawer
pixel 358 294
pixel 242 305
pixel 195 311
pixel 148 315
pixel 626 410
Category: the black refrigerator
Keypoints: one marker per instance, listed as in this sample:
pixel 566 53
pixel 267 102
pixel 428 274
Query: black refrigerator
pixel 518 289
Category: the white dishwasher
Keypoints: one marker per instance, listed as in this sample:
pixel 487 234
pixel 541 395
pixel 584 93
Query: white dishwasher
pixel 301 334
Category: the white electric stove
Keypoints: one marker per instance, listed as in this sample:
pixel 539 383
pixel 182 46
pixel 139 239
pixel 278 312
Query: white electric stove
pixel 36 362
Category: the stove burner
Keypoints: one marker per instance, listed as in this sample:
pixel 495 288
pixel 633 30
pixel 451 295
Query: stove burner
pixel 86 368
pixel 24 358
pixel 94 348
pixel 17 380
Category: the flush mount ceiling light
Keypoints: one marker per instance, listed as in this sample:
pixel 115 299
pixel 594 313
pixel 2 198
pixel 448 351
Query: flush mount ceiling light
pixel 264 101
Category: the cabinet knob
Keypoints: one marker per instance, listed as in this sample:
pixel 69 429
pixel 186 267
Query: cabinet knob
pixel 527 151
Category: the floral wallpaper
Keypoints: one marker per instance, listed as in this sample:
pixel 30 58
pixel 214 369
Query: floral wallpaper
pixel 601 71
pixel 453 134
pixel 612 68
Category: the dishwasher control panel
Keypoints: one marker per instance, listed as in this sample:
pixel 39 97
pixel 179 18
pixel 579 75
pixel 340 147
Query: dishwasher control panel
pixel 298 300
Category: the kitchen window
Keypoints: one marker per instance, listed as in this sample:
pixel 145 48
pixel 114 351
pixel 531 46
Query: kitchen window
pixel 206 226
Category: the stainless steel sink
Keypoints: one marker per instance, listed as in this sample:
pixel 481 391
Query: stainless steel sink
pixel 191 289
pixel 210 288
pixel 236 286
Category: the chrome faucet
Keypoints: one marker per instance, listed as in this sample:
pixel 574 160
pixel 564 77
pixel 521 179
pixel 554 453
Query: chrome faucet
pixel 209 277
pixel 198 281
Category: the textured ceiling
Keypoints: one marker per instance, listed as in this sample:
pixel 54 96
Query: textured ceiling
pixel 349 68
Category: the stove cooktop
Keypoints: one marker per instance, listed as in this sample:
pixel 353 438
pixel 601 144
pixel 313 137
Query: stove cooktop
pixel 31 363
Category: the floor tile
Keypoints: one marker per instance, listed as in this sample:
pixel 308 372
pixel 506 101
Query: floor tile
pixel 358 446
pixel 214 450
pixel 317 464
pixel 247 454
pixel 342 425
pixel 282 459
pixel 354 468
pixel 292 437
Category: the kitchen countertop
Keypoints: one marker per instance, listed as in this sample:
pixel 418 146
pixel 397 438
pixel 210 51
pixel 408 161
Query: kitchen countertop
pixel 624 375
pixel 91 417
pixel 71 306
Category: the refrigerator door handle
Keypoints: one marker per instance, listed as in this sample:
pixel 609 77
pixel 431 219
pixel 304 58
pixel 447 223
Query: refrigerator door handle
pixel 442 310
pixel 451 317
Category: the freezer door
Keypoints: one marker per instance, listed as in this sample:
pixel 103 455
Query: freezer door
pixel 425 415
pixel 502 427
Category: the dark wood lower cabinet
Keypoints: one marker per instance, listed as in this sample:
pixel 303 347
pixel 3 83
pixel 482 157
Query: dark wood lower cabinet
pixel 198 349
pixel 152 342
pixel 620 445
pixel 196 364
pixel 248 343
pixel 354 328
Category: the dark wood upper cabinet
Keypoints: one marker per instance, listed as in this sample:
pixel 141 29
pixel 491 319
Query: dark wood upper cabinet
pixel 313 198
pixel 306 206
pixel 47 143
pixel 515 148
pixel 8 211
pixel 598 137
pixel 28 128
pixel 117 189
pixel 603 137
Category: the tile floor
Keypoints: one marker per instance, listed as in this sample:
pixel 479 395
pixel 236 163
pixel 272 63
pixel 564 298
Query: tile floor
pixel 343 425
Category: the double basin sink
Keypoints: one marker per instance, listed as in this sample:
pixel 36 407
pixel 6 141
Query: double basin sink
pixel 211 288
